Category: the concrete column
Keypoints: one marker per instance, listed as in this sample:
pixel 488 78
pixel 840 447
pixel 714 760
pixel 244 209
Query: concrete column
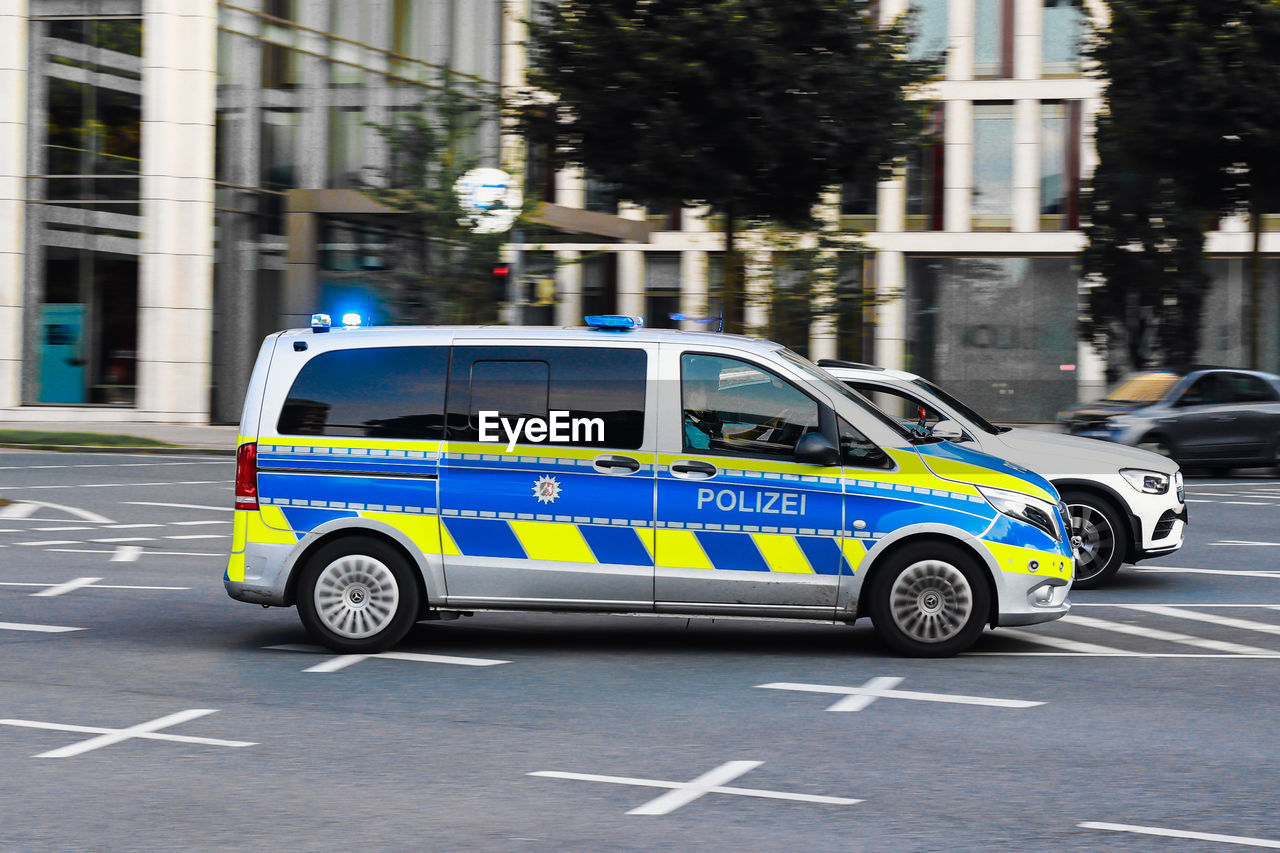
pixel 822 323
pixel 960 40
pixel 571 188
pixel 1027 49
pixel 891 314
pixel 175 279
pixel 958 180
pixel 569 289
pixel 1026 165
pixel 891 204
pixel 693 287
pixel 13 166
pixel 757 289
pixel 631 293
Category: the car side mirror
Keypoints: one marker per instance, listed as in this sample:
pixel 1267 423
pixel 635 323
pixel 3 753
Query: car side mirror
pixel 948 430
pixel 814 448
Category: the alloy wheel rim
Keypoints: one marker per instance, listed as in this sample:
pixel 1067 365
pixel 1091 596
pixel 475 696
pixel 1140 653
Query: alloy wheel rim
pixel 1096 537
pixel 931 601
pixel 356 596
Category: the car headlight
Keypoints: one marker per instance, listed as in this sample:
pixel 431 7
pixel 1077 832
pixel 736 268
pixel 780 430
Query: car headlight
pixel 1121 421
pixel 1150 482
pixel 1033 511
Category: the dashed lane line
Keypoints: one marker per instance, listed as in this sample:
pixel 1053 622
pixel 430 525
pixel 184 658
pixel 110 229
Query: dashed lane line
pixel 149 553
pixel 39 629
pixel 123 539
pixel 201 536
pixel 1195 616
pixel 60 529
pixel 211 521
pixel 183 506
pixel 1242 573
pixel 131 526
pixel 1165 636
pixel 1060 643
pixel 1180 833
pixel 111 465
pixel 12 487
pixel 50 542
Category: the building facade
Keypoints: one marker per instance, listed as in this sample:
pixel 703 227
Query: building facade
pixel 178 178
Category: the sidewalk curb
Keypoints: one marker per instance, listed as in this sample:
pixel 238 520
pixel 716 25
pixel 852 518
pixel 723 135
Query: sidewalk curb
pixel 176 450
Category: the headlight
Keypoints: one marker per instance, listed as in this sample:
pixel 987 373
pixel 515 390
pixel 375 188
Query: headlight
pixel 1024 508
pixel 1121 421
pixel 1150 482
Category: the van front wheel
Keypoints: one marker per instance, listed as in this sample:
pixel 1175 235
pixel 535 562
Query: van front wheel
pixel 357 595
pixel 930 600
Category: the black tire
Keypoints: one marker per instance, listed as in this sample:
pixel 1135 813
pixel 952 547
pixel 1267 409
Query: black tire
pixel 930 599
pixel 357 595
pixel 1104 538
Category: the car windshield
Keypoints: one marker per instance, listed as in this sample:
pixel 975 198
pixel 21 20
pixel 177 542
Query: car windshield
pixel 978 420
pixel 817 374
pixel 1143 388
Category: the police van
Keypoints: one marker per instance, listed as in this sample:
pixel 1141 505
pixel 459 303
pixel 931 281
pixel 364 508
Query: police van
pixel 390 475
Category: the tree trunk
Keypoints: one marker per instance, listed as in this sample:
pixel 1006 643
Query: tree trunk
pixel 731 289
pixel 1255 279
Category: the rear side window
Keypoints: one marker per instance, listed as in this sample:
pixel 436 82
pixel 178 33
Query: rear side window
pixel 1250 389
pixel 605 387
pixel 381 392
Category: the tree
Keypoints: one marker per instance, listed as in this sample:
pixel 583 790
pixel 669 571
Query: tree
pixel 1193 99
pixel 444 272
pixel 753 107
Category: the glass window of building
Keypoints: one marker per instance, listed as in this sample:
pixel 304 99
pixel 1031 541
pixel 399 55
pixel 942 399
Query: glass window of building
pixel 1059 165
pixel 83 211
pixel 858 203
pixel 997 332
pixel 600 283
pixel 791 300
pixel 347 147
pixel 1063 24
pixel 992 208
pixel 925 173
pixel 993 38
pixel 662 289
pixel 928 28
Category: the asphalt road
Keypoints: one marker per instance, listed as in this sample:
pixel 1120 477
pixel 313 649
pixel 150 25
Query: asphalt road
pixel 1157 706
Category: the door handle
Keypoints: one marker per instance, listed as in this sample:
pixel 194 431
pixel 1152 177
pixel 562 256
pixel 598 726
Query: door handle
pixel 608 464
pixel 1224 419
pixel 693 469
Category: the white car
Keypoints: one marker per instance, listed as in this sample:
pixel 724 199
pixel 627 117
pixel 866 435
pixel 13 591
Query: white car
pixel 1125 504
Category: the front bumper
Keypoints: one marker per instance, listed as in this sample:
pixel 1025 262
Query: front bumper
pixel 1025 597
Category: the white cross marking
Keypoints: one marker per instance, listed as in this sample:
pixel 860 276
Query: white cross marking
pixel 63 588
pixel 683 793
pixel 858 698
pixel 81 583
pixel 126 554
pixel 343 661
pixel 106 737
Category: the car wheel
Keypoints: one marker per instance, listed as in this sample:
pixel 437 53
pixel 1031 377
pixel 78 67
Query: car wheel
pixel 1097 535
pixel 357 595
pixel 930 600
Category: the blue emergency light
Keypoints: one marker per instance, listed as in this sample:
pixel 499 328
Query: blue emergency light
pixel 614 322
pixel 321 322
pixel 350 319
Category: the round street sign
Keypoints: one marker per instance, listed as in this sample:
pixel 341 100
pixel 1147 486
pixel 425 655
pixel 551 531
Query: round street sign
pixel 490 199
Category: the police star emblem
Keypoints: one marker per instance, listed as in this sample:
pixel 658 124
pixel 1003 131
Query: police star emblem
pixel 546 489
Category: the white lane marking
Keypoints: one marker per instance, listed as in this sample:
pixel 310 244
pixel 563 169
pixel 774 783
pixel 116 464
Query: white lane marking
pixel 1268 656
pixel 1238 573
pixel 49 542
pixel 109 465
pixel 1245 503
pixel 92 586
pixel 126 554
pixel 123 539
pixel 39 629
pixel 683 793
pixel 183 506
pixel 131 526
pixel 64 588
pixel 344 661
pixel 1181 833
pixel 1059 642
pixel 201 536
pixel 211 521
pixel 1165 636
pixel 1247 542
pixel 61 529
pixel 1225 621
pixel 1074 605
pixel 25 509
pixel 110 485
pixel 857 698
pixel 149 552
pixel 106 737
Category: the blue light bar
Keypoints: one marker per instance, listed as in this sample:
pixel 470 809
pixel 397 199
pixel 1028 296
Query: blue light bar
pixel 350 319
pixel 614 322
pixel 321 322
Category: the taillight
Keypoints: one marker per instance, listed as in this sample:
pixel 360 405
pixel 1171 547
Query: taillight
pixel 247 476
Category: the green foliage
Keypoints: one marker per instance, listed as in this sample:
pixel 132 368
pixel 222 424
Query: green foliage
pixel 1193 97
pixel 442 270
pixel 751 106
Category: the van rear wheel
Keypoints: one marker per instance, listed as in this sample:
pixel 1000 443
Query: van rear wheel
pixel 357 595
pixel 930 600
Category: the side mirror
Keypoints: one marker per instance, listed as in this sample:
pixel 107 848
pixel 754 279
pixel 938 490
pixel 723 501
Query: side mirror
pixel 814 448
pixel 948 430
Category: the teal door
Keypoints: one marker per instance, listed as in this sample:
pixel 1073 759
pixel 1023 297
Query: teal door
pixel 62 361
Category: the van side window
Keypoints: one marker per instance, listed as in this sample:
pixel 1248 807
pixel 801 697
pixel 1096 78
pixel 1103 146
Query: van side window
pixel 601 389
pixel 378 392
pixel 733 407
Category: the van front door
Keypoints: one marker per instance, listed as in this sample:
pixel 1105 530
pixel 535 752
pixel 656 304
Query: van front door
pixel 741 524
pixel 546 487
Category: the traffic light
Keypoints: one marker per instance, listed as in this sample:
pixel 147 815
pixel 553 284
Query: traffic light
pixel 499 284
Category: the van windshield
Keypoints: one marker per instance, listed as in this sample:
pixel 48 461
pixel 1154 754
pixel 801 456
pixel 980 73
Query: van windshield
pixel 835 386
pixel 1143 388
